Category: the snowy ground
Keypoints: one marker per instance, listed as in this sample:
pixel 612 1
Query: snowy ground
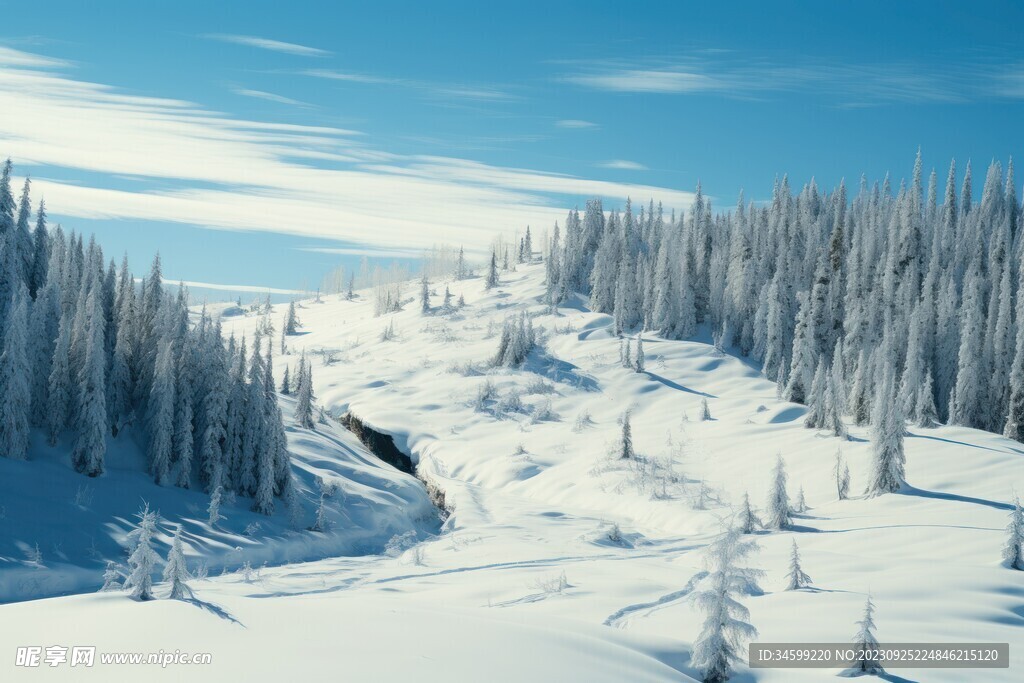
pixel 58 528
pixel 524 582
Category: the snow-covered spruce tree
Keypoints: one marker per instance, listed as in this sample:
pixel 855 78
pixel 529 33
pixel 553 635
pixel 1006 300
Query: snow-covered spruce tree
pixel 860 406
pixel 59 384
pixel 213 510
pixel 625 446
pixel 112 578
pixel 461 271
pixel 291 320
pixel 492 272
pixel 625 352
pixel 816 399
pixel 446 303
pixel 424 294
pixel 176 572
pixel 716 652
pixel 887 429
pixel 842 476
pixel 285 383
pixel 800 506
pixel 90 442
pixel 161 415
pixel 704 414
pixel 638 364
pixel 15 381
pixel 747 521
pixel 865 642
pixel 214 407
pixel 143 559
pixel 304 397
pixel 796 578
pixel 780 515
pixel 518 339
pixel 1013 551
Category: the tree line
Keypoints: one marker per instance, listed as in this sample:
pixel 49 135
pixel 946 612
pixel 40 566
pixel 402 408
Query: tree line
pixel 90 354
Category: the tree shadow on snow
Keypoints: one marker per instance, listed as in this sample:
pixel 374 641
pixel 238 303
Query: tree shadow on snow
pixel 560 371
pixel 675 385
pixel 960 443
pixel 908 490
pixel 216 610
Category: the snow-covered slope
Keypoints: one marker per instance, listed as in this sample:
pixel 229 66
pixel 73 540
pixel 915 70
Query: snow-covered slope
pixel 526 582
pixel 58 528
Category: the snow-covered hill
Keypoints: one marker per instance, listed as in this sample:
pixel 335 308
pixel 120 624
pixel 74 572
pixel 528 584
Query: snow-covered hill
pixel 58 529
pixel 561 562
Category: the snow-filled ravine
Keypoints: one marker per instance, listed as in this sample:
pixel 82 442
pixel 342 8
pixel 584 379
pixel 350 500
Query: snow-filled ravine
pixel 560 562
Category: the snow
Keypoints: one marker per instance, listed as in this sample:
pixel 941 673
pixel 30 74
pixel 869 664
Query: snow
pixel 79 523
pixel 524 581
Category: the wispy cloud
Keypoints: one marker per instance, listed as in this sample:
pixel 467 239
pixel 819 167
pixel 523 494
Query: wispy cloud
pixel 268 96
pixel 203 168
pixel 735 75
pixel 622 165
pixel 577 124
pixel 462 91
pixel 268 44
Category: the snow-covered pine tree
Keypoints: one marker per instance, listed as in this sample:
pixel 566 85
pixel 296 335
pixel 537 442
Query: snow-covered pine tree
pixel 716 651
pixel 817 398
pixel 183 440
pixel 802 368
pixel 213 444
pixel 176 572
pixel 461 271
pixel 492 272
pixel 865 642
pixel 291 321
pixel 112 578
pixel 15 380
pixel 1013 551
pixel 625 449
pixel 780 514
pixel 142 561
pixel 796 578
pixel 800 506
pixel 90 441
pixel 160 420
pixel 285 383
pixel 59 383
pixel 213 510
pixel 842 476
pixel 704 414
pixel 747 521
pixel 887 429
pixel 424 294
pixel 304 397
pixel 638 364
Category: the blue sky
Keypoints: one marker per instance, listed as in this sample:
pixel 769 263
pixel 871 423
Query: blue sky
pixel 251 142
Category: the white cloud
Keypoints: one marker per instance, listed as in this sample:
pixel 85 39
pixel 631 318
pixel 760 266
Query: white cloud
pixel 576 124
pixel 441 90
pixel 622 165
pixel 268 44
pixel 742 76
pixel 268 96
pixel 648 81
pixel 218 172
